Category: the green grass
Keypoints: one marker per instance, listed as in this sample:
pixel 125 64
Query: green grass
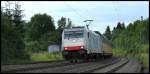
pixel 36 57
pixel 16 61
pixel 119 52
pixel 46 56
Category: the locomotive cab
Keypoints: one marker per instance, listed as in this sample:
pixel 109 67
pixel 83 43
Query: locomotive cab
pixel 73 43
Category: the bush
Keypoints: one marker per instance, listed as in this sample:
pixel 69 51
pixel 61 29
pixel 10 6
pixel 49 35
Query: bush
pixel 143 55
pixel 144 58
pixel 32 46
pixel 46 56
pixel 119 52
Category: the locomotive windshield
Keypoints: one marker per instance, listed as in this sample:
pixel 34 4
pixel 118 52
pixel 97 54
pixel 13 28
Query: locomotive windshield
pixel 73 34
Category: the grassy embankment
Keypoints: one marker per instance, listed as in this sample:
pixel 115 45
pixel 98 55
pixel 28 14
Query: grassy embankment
pixel 37 57
pixel 142 54
pixel 46 56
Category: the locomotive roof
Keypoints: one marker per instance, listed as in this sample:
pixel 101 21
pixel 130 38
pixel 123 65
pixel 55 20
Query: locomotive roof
pixel 78 27
pixel 93 32
pixel 75 28
pixel 104 37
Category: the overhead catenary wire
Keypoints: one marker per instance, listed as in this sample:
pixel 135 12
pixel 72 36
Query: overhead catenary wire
pixel 74 10
pixel 116 11
pixel 77 12
pixel 87 12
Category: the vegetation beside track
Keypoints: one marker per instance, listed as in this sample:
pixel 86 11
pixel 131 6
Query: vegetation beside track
pixel 46 56
pixel 142 54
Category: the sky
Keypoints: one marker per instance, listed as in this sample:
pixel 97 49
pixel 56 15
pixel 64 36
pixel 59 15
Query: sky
pixel 104 13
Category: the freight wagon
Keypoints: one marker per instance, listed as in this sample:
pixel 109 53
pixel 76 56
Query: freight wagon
pixel 82 43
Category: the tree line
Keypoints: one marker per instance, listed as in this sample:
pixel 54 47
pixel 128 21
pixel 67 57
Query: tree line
pixel 20 39
pixel 131 37
pixel 131 41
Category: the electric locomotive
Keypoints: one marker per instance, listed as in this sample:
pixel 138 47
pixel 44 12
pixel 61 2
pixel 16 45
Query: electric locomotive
pixel 82 43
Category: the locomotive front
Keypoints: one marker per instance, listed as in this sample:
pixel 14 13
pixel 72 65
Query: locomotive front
pixel 73 44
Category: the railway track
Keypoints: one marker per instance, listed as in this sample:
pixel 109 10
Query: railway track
pixel 132 67
pixel 109 65
pixel 69 68
pixel 112 67
pixel 32 66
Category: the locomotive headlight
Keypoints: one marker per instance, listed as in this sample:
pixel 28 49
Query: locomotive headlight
pixel 82 47
pixel 65 48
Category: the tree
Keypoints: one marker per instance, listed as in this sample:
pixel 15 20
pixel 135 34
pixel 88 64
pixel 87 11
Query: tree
pixel 12 43
pixel 69 25
pixel 39 34
pixel 118 25
pixel 131 38
pixel 39 25
pixel 116 31
pixel 108 33
pixel 123 26
pixel 6 29
pixel 18 23
pixel 61 23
